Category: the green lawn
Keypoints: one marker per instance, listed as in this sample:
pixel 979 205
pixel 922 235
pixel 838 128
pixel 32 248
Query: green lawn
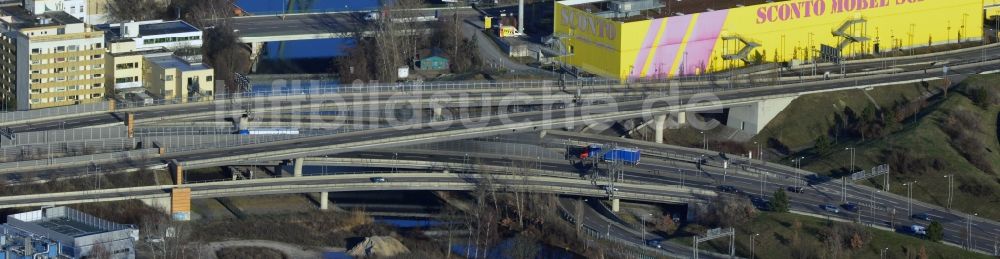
pixel 810 116
pixel 926 142
pixel 776 240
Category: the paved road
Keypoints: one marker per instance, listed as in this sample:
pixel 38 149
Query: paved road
pixel 174 110
pixel 661 171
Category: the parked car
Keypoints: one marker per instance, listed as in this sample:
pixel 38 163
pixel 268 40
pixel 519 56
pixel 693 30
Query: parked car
pixel 922 216
pixel 830 208
pixel 378 179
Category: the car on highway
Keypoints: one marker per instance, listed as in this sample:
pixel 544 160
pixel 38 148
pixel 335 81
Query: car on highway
pixel 608 188
pixel 829 208
pixel 378 179
pixel 850 206
pixel 796 189
pixel 657 243
pixel 922 216
pixel 760 203
pixel 729 189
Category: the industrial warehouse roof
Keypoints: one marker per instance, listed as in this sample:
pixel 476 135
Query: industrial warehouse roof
pixel 666 8
pixel 63 221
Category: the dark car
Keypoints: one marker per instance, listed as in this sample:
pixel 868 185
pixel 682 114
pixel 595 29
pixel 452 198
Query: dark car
pixel 378 179
pixel 657 243
pixel 729 189
pixel 796 189
pixel 850 206
pixel 922 216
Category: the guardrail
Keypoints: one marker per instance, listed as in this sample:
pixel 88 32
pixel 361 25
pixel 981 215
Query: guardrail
pixel 79 160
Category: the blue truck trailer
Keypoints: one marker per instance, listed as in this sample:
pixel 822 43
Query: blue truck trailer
pixel 618 154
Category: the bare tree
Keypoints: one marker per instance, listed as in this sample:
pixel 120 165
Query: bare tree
pixel 134 10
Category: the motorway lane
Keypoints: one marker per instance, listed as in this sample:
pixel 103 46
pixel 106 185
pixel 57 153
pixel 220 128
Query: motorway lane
pixel 655 171
pixel 954 222
pixel 195 108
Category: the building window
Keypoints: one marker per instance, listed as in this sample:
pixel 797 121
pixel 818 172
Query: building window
pixel 169 78
pixel 60 49
pixel 98 45
pixel 99 66
pixel 98 56
pixel 60 59
pixel 36 91
pixel 72 88
pixel 36 100
pixel 208 79
pixel 35 71
pixel 36 80
pixel 36 51
pixel 73 47
pixel 97 85
pixel 95 95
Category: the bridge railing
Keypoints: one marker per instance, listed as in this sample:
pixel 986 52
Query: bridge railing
pixel 54 112
pixel 79 160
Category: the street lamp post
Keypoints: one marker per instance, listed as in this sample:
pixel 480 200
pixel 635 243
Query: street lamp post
pixel 644 227
pixel 951 179
pixel 798 169
pixel 968 231
pixel 873 206
pixel 704 141
pixel 849 172
pixel 752 244
pixel 882 252
pixel 909 197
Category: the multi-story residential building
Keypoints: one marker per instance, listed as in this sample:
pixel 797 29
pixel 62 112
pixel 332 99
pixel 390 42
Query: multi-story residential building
pixel 50 59
pixel 144 55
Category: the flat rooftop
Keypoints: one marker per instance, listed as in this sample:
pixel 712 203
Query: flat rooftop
pixel 170 27
pixel 22 19
pixel 147 28
pixel 171 61
pixel 667 8
pixel 64 221
pixel 69 227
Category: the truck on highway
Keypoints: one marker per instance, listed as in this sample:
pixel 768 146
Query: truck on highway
pixel 618 154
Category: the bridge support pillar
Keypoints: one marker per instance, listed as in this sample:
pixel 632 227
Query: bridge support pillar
pixel 681 118
pixel 615 204
pixel 256 48
pixel 753 117
pixel 659 123
pixel 177 171
pixel 324 200
pixel 297 171
pixel 130 124
pixel 180 204
pixel 438 113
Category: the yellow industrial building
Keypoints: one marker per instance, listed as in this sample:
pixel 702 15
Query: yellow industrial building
pixel 629 39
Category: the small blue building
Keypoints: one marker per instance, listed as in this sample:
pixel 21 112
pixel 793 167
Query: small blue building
pixel 433 61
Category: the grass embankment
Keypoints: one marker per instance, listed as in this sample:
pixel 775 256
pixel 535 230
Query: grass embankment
pixel 785 235
pixel 954 135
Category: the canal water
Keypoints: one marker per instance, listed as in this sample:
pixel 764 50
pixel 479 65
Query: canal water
pixel 304 56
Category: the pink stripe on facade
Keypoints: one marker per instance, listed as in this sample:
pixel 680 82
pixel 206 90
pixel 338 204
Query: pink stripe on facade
pixel 647 44
pixel 702 41
pixel 670 42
